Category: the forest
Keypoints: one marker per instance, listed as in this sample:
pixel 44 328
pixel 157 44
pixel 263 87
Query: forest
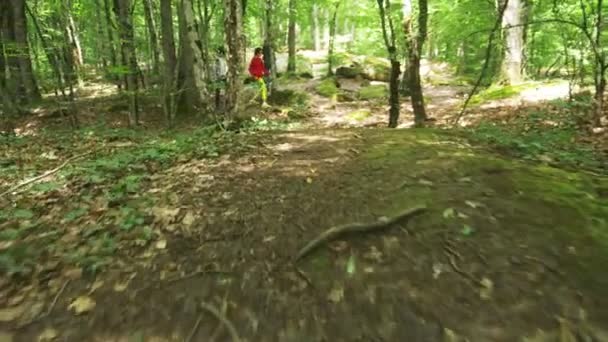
pixel 313 170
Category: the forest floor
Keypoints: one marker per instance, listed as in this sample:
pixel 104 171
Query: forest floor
pixel 193 235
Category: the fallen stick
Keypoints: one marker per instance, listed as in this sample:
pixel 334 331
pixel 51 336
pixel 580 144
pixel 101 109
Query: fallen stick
pixel 215 312
pixel 46 174
pixel 333 233
pixel 194 329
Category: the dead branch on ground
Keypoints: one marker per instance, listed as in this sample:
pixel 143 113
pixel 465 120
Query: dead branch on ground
pixel 222 318
pixel 333 233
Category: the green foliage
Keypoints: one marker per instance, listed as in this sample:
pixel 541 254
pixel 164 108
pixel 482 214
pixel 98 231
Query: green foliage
pixel 327 88
pixel 550 135
pixel 373 92
pixel 360 115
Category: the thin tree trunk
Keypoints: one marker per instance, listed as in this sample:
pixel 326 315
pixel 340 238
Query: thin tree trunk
pixel 512 71
pixel 388 33
pixel 111 44
pixel 123 12
pixel 100 39
pixel 170 59
pixel 233 38
pixel 150 23
pixel 417 42
pixel 332 40
pixel 601 66
pixel 316 33
pixel 291 40
pixel 326 24
pixel 269 44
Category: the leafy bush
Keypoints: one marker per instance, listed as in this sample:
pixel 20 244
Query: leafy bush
pixel 328 88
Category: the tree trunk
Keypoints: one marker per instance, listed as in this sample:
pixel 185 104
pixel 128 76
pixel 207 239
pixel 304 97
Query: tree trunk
pixel 101 43
pixel 233 38
pixel 512 71
pixel 111 44
pixel 601 65
pixel 122 9
pixel 72 53
pixel 316 33
pixel 192 62
pixel 150 23
pixel 26 78
pixel 291 41
pixel 170 59
pixel 332 40
pixel 269 44
pixel 415 33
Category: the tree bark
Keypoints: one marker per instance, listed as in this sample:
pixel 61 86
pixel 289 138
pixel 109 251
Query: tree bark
pixel 192 62
pixel 26 79
pixel 326 24
pixel 291 40
pixel 512 71
pixel 601 65
pixel 111 44
pixel 122 9
pixel 316 33
pixel 150 23
pixel 233 37
pixel 269 43
pixel 388 33
pixel 170 59
pixel 332 40
pixel 417 39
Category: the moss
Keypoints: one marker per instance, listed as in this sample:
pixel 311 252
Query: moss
pixel 289 98
pixel 376 69
pixel 501 92
pixel 328 88
pixel 373 92
pixel 360 115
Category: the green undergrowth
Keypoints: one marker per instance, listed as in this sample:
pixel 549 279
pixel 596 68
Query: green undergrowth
pixel 500 92
pixel 94 206
pixel 373 92
pixel 551 134
pixel 327 88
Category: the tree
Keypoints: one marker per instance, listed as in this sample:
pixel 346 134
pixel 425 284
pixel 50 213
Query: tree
pixel 192 70
pixel 388 33
pixel 415 32
pixel 512 65
pixel 332 39
pixel 20 80
pixel 291 63
pixel 151 25
pixel 315 29
pixel 122 10
pixel 170 59
pixel 234 59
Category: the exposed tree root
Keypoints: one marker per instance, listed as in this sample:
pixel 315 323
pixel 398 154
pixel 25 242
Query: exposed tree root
pixel 215 312
pixel 333 233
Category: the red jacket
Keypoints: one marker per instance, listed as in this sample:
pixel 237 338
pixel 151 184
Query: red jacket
pixel 257 68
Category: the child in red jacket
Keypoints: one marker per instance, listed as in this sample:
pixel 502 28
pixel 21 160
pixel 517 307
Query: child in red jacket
pixel 258 70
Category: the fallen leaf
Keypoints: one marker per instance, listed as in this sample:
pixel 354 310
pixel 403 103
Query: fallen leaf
pixel 269 238
pixel 308 180
pixel 49 334
pixel 448 213
pixel 96 286
pixel 161 244
pixel 189 219
pixel 82 305
pixel 425 182
pixel 11 314
pixel 473 204
pixel 336 295
pixel 487 288
pixel 165 215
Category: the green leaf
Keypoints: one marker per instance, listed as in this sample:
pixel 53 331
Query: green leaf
pixel 9 234
pixel 351 265
pixel 23 214
pixel 76 214
pixel 467 230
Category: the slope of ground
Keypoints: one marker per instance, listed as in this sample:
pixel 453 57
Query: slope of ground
pixel 506 251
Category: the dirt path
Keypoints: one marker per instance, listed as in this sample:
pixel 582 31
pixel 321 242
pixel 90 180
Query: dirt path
pixel 505 251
